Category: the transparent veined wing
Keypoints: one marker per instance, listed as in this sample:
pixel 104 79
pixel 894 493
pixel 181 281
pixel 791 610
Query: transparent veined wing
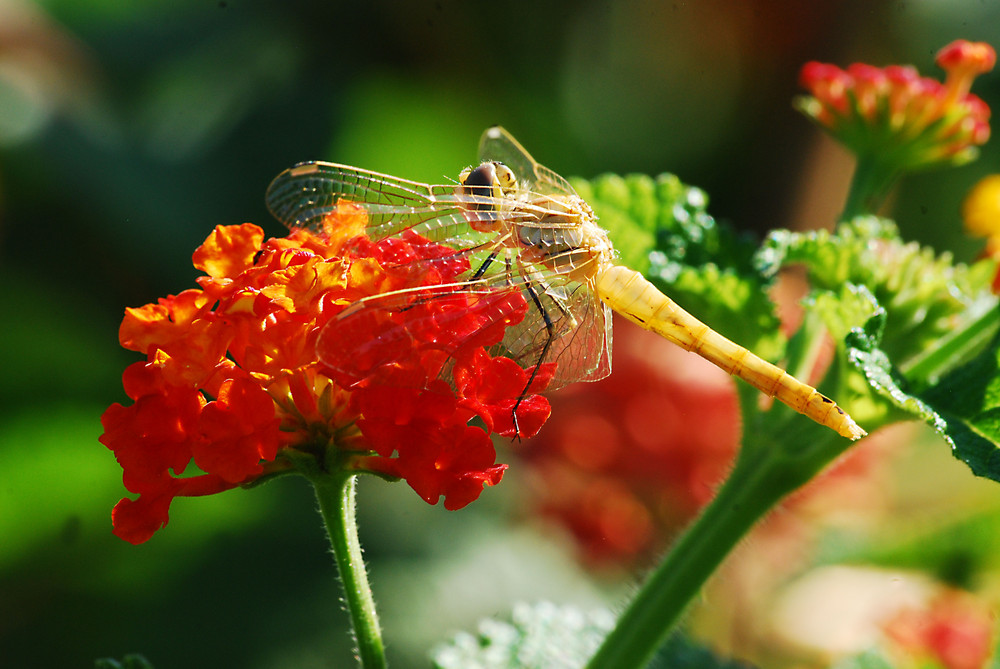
pixel 303 195
pixel 498 144
pixel 420 330
pixel 530 319
pixel 567 324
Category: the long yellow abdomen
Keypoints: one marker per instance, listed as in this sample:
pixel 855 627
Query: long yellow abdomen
pixel 631 295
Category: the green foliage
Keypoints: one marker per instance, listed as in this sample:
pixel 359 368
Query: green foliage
pixel 660 225
pixel 968 403
pixel 868 660
pixel 915 330
pixel 132 661
pixel 918 327
pixel 661 228
pixel 923 293
pixel 874 363
pixel 546 636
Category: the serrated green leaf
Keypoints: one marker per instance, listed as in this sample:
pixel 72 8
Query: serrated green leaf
pixel 537 637
pixel 663 221
pixel 864 352
pixel 832 258
pixel 547 636
pixel 968 400
pixel 964 407
pixel 661 228
pixel 927 319
pixel 925 295
pixel 850 308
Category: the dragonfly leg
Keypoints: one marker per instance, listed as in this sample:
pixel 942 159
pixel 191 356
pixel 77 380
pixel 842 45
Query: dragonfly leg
pixel 490 259
pixel 486 264
pixel 550 330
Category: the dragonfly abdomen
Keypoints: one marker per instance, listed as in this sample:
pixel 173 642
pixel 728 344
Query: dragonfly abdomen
pixel 630 294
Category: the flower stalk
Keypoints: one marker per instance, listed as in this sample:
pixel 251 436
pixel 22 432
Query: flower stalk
pixel 870 184
pixel 336 496
pixel 765 471
pixel 778 455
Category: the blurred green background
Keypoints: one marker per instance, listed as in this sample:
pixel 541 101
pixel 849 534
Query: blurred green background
pixel 129 129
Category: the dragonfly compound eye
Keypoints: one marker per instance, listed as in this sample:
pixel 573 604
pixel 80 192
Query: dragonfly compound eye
pixel 481 181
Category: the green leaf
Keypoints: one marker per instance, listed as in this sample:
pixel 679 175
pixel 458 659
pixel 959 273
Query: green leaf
pixel 968 400
pixel 661 227
pixel 874 364
pixel 547 636
pixel 664 223
pixel 964 407
pixel 926 296
pixel 539 636
pixel 132 661
pixel 920 328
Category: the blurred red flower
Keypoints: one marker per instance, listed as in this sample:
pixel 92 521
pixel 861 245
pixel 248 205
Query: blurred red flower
pixel 954 631
pixel 625 463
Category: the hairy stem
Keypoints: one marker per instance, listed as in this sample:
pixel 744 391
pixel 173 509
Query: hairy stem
pixel 335 493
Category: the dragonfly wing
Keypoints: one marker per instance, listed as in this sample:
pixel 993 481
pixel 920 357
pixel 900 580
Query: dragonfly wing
pixel 579 326
pixel 528 321
pixel 498 144
pixel 302 196
pixel 421 330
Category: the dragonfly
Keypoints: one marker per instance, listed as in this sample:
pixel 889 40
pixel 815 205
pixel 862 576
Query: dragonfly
pixel 523 227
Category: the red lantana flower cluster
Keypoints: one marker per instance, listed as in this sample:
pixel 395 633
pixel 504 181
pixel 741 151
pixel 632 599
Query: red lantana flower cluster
pixel 899 117
pixel 243 377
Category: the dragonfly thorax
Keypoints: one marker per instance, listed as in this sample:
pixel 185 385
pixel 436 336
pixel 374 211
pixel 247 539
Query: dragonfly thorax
pixel 565 237
pixel 557 230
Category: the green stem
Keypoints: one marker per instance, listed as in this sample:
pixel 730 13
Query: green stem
pixel 335 494
pixel 869 186
pixel 763 475
pixel 952 349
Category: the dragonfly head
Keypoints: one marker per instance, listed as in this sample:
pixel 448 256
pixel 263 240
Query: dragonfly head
pixel 489 179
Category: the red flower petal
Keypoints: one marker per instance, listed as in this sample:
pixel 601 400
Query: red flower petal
pixel 153 435
pixel 229 250
pixel 240 429
pixel 135 521
pixel 454 462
